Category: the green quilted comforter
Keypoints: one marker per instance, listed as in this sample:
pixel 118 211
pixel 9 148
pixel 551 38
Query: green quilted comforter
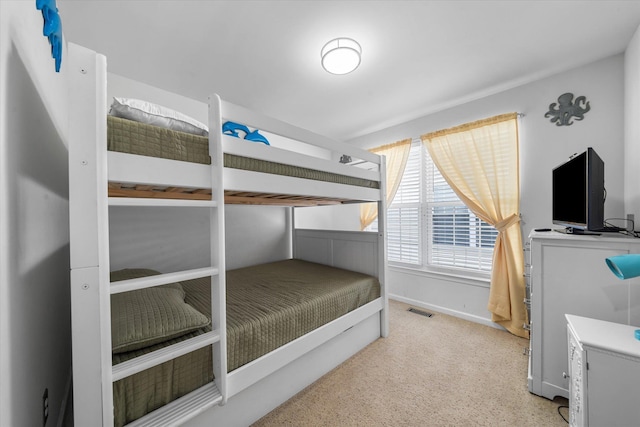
pixel 268 305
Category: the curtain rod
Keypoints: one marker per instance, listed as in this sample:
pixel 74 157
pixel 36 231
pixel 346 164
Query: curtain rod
pixel 418 139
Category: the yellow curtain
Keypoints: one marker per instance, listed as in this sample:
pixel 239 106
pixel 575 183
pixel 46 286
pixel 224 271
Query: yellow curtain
pixel 480 161
pixel 396 159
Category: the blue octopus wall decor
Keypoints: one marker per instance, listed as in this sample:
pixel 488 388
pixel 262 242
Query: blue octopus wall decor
pixel 568 109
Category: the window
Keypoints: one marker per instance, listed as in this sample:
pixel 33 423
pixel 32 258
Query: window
pixel 428 227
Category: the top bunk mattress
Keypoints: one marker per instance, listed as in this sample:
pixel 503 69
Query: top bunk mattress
pixel 127 136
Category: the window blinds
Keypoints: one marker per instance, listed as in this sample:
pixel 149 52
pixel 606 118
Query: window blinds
pixel 429 227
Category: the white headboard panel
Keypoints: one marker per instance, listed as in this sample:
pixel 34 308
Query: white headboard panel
pixel 351 250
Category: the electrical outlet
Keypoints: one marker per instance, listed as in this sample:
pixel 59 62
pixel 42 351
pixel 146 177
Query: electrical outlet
pixel 630 222
pixel 45 406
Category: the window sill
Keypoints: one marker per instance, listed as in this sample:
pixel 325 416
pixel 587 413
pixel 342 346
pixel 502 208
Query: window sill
pixel 468 279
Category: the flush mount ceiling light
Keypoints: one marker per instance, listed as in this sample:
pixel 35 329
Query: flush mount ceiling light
pixel 341 56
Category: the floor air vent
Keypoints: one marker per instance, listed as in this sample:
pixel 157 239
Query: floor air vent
pixel 420 312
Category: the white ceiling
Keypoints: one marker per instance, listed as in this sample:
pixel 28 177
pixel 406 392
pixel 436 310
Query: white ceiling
pixel 418 57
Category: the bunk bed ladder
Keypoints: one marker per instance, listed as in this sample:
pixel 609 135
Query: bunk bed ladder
pixel 213 393
pixel 91 288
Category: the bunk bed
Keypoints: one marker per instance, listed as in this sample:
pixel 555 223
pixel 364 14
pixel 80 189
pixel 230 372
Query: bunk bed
pixel 208 346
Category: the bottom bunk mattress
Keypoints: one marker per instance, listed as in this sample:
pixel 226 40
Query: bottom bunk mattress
pixel 268 305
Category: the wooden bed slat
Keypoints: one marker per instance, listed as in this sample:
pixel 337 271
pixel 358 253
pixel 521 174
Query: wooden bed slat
pixel 146 191
pixel 266 200
pixel 117 189
pixel 144 187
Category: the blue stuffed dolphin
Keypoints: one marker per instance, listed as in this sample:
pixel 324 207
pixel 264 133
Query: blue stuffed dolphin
pixel 232 128
pixel 256 137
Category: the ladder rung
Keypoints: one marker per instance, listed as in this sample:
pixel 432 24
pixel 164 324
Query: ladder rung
pixel 132 201
pixel 138 364
pixel 160 279
pixel 182 409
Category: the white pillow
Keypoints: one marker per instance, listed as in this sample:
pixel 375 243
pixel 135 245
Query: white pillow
pixel 157 115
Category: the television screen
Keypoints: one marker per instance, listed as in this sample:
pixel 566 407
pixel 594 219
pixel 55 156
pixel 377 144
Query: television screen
pixel 578 192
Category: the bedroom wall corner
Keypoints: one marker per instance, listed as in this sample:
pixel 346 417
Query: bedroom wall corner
pixel 632 128
pixel 35 334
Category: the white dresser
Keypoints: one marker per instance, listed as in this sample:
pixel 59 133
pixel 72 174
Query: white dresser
pixel 567 274
pixel 604 373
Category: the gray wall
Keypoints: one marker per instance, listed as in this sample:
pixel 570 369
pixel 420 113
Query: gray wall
pixel 173 239
pixel 632 128
pixel 35 328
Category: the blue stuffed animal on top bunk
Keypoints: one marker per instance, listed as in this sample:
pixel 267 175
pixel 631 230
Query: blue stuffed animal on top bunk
pixel 232 128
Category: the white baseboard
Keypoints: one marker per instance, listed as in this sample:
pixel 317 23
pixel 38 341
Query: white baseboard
pixel 460 314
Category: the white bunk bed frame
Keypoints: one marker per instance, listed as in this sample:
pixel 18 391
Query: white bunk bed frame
pixel 249 392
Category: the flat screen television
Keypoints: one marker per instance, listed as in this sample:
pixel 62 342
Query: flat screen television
pixel 578 193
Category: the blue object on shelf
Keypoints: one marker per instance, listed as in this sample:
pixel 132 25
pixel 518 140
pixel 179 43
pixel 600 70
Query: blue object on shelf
pixel 52 28
pixel 232 128
pixel 256 137
pixel 626 266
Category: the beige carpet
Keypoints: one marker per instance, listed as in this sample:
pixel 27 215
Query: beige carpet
pixel 437 371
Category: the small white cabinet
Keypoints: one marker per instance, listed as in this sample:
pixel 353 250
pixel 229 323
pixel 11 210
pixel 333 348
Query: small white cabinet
pixel 568 275
pixel 576 377
pixel 604 373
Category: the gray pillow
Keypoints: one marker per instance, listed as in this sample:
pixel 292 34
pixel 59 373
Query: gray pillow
pixel 149 316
